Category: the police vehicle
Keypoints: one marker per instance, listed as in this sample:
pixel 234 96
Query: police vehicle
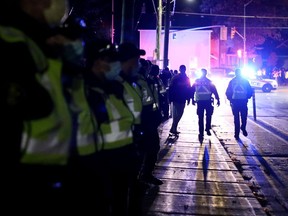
pixel 266 85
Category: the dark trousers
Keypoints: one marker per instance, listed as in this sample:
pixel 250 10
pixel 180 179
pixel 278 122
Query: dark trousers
pixel 239 110
pixel 178 110
pixel 202 107
pixel 164 106
pixel 38 188
pixel 106 183
pixel 150 147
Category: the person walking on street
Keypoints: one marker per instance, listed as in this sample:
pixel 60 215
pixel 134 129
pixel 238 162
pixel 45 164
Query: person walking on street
pixel 201 93
pixel 178 95
pixel 238 92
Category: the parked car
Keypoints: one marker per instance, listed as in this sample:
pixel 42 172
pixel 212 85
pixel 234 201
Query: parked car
pixel 266 85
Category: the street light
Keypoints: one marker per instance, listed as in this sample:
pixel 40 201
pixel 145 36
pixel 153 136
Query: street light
pixel 244 34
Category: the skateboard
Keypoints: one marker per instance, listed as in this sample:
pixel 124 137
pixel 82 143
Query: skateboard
pixel 172 137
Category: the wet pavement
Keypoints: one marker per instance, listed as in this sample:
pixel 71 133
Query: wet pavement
pixel 218 177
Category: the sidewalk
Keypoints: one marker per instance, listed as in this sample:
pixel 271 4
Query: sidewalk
pixel 199 179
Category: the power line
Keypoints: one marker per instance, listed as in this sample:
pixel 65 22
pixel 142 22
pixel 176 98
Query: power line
pixel 263 27
pixel 231 15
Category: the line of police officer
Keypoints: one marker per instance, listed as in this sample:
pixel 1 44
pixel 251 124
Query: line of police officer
pixel 73 134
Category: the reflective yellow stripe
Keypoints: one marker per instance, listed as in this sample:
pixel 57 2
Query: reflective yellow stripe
pixel 239 92
pixel 203 94
pixel 88 148
pixel 12 35
pixel 45 159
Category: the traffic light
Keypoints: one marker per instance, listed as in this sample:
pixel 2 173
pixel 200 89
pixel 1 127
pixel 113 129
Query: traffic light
pixel 233 31
pixel 223 33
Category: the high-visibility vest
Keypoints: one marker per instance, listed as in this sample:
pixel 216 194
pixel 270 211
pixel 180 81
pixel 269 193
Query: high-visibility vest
pixel 157 89
pixel 117 131
pixel 47 140
pixel 132 96
pixel 239 91
pixel 92 137
pixel 147 95
pixel 86 137
pixel 202 90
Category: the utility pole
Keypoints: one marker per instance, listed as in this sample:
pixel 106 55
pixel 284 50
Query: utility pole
pixel 112 23
pixel 158 31
pixel 123 26
pixel 244 34
pixel 166 35
pixel 127 21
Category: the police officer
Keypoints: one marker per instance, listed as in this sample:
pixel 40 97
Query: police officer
pixel 150 144
pixel 150 120
pixel 108 161
pixel 202 91
pixel 238 92
pixel 46 139
pixel 22 97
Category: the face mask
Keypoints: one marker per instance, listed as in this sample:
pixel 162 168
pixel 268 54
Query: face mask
pixel 73 51
pixel 135 70
pixel 115 68
pixel 57 12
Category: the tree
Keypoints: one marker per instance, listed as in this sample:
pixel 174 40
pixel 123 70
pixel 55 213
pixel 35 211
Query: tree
pixel 265 20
